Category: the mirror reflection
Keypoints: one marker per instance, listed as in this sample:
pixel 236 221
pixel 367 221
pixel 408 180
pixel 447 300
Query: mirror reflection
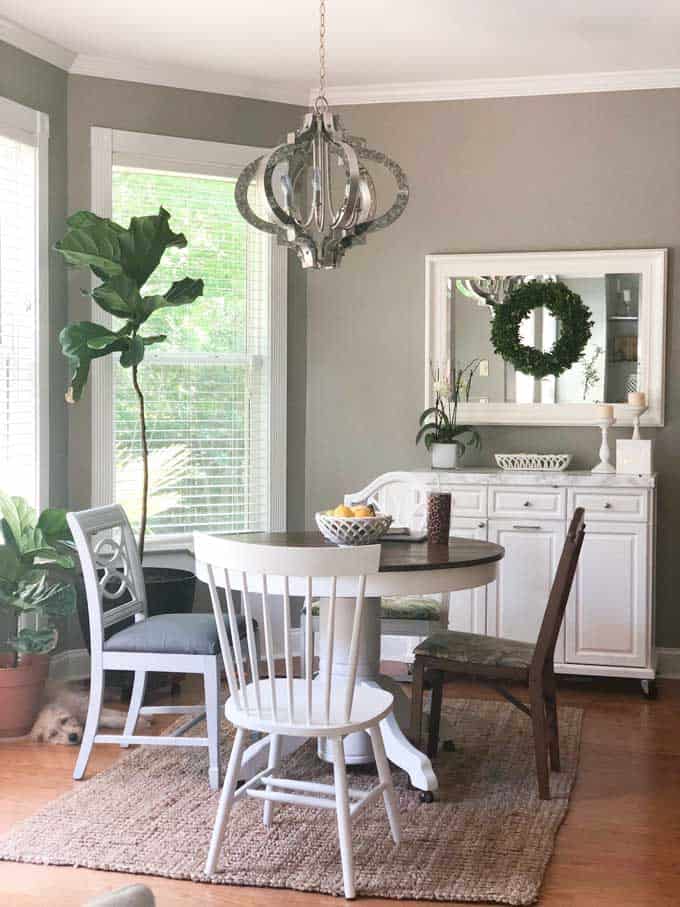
pixel 607 371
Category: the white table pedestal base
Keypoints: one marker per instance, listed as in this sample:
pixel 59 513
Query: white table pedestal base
pixel 400 751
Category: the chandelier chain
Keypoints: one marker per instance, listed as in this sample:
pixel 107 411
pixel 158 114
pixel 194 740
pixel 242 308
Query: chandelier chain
pixel 322 48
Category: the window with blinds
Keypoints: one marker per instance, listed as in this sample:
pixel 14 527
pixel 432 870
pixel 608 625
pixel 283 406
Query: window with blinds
pixel 19 468
pixel 207 387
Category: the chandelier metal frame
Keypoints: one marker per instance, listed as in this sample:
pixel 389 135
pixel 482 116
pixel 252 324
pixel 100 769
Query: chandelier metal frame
pixel 306 218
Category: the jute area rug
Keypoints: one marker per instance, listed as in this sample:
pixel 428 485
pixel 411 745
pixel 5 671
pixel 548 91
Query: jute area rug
pixel 488 837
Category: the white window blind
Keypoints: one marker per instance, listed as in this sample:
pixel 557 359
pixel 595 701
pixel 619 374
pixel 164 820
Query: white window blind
pixel 207 388
pixel 19 386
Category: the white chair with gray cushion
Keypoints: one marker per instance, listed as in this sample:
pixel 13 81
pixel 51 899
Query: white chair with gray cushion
pixel 174 643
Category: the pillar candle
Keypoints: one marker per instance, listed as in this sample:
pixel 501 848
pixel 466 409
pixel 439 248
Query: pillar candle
pixel 604 411
pixel 637 398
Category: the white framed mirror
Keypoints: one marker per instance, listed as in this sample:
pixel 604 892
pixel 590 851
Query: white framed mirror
pixel 625 290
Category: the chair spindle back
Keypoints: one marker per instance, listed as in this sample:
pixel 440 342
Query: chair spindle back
pixel 276 572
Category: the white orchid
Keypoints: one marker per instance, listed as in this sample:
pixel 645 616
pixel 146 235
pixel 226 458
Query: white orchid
pixel 443 388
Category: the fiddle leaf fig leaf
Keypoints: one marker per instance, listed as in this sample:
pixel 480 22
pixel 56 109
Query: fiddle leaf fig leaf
pixel 134 353
pixel 92 242
pixel 181 292
pixel 156 338
pixel 83 341
pixel 108 249
pixel 146 240
pixel 120 297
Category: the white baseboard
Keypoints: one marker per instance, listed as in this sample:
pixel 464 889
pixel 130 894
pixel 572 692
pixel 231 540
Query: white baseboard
pixel 668 662
pixel 73 664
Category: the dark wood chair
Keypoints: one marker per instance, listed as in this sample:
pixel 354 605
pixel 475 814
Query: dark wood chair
pixel 497 661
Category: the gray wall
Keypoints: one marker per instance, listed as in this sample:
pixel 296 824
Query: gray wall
pixel 522 174
pixel 197 115
pixel 39 85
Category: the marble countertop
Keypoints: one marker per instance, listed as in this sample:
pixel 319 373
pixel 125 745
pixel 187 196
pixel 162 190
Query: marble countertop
pixel 566 478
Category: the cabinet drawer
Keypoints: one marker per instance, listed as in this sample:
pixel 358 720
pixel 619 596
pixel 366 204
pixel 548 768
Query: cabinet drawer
pixel 467 500
pixel 527 503
pixel 617 504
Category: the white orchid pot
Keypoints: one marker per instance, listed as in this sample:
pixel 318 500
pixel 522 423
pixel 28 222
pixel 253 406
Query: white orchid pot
pixel 444 456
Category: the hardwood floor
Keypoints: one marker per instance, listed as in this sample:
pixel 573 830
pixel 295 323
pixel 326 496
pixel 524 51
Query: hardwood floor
pixel 619 845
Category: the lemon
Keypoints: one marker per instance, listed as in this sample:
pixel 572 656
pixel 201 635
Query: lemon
pixel 343 511
pixel 362 511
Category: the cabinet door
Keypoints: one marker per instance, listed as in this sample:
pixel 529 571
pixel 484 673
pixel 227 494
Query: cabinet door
pixel 607 615
pixel 516 602
pixel 467 609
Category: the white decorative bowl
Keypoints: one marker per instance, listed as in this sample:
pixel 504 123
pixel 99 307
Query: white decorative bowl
pixel 351 530
pixel 534 462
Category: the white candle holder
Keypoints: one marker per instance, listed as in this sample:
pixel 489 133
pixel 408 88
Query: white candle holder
pixel 637 412
pixel 604 466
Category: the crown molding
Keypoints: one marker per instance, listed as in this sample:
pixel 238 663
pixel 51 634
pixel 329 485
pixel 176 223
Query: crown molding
pixel 289 93
pixel 188 79
pixel 512 87
pixel 36 45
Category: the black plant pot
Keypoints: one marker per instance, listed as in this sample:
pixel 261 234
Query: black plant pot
pixel 168 591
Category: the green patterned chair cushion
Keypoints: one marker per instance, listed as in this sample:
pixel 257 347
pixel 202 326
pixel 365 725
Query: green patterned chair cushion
pixel 473 649
pixel 403 607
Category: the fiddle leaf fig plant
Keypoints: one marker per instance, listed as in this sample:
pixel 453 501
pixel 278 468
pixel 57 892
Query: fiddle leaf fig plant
pixel 34 571
pixel 123 259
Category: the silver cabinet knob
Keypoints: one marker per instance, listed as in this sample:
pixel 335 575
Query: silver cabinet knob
pixel 607 506
pixel 481 525
pixel 527 504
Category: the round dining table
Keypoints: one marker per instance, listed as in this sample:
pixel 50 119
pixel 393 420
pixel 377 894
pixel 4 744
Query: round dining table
pixel 406 568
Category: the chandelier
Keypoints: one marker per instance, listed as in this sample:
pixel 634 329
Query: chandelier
pixel 491 290
pixel 314 191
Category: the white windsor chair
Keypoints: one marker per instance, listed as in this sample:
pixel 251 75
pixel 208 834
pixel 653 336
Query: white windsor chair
pixel 327 705
pixel 182 643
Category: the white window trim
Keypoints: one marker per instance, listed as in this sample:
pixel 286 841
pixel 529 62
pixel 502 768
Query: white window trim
pixel 32 127
pixel 184 155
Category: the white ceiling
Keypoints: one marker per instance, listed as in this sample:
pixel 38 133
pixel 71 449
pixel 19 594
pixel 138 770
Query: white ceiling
pixel 269 47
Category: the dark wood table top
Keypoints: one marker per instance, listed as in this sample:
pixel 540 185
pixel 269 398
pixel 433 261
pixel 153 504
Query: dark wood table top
pixel 395 556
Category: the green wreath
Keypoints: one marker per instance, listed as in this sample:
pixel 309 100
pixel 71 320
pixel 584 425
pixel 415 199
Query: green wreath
pixel 560 301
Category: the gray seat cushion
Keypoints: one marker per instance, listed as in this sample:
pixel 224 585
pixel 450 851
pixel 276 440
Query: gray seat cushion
pixel 176 634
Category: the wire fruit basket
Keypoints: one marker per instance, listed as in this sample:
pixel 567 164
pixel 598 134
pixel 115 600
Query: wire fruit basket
pixel 348 530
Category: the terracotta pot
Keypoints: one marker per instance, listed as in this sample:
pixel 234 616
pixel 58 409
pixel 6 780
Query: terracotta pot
pixel 20 692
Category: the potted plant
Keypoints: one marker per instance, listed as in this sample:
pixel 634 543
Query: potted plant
pixel 123 259
pixel 33 589
pixel 439 427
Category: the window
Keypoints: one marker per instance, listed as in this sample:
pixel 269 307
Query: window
pixel 215 390
pixel 23 353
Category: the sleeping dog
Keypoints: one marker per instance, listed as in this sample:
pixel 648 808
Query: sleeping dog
pixel 62 717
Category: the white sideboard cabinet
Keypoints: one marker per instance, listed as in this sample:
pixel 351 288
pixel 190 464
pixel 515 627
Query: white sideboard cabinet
pixel 609 623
